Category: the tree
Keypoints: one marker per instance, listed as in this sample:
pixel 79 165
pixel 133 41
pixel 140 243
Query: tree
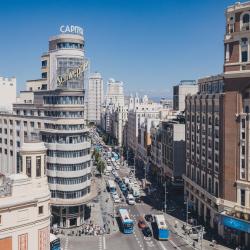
pixel 96 155
pixel 100 166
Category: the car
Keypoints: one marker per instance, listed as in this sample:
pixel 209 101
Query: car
pixel 147 231
pixel 123 188
pixel 116 198
pixel 130 199
pixel 120 183
pixel 138 200
pixel 141 223
pixel 149 218
pixel 117 179
pixel 117 167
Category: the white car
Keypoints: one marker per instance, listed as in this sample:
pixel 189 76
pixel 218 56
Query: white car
pixel 117 167
pixel 130 199
pixel 116 198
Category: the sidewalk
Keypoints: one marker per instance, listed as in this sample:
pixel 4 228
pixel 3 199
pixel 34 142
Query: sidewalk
pixel 107 209
pixel 180 232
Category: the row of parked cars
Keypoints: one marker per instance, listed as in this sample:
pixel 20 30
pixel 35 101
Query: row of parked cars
pixel 127 191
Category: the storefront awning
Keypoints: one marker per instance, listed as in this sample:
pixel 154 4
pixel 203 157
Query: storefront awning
pixel 235 223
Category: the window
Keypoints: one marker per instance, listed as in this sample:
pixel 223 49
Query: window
pixel 244 49
pixel 40 210
pixel 243 149
pixel 209 185
pixel 44 63
pixel 246 111
pixel 245 22
pixel 28 166
pixel 44 75
pixel 242 197
pixel 245 18
pixel 38 166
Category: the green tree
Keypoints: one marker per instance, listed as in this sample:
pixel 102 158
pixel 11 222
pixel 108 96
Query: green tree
pixel 101 166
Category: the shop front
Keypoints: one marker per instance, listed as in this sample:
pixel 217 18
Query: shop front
pixel 235 231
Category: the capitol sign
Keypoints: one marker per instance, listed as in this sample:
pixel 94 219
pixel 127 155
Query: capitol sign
pixel 71 29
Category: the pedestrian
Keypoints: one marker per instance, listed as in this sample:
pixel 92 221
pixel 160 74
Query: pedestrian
pixel 175 223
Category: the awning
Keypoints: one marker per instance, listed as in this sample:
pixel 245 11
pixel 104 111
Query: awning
pixel 235 223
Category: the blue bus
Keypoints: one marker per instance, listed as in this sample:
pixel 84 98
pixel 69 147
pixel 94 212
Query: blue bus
pixel 127 224
pixel 54 242
pixel 162 231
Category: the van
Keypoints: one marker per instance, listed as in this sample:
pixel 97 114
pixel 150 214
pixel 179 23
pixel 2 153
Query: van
pixel 130 199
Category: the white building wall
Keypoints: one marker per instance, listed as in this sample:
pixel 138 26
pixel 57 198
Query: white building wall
pixel 95 97
pixel 115 94
pixel 7 93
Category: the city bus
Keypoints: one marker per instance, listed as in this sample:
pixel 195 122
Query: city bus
pixel 111 186
pixel 161 230
pixel 54 242
pixel 127 224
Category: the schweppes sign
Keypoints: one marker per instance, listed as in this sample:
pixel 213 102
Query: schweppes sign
pixel 73 74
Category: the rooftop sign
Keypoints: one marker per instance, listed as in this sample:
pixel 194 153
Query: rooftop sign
pixel 71 29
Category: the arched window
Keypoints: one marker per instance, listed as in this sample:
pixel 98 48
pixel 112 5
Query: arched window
pixel 245 22
pixel 245 18
pixel 246 109
pixel 216 121
pixel 210 120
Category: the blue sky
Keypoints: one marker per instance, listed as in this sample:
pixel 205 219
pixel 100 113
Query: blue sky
pixel 148 44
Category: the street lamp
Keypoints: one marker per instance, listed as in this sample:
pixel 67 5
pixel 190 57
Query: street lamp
pixel 187 212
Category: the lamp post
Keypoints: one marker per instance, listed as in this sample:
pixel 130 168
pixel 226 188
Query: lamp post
pixel 187 212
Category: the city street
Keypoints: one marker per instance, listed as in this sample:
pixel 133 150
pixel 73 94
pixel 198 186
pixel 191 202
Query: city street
pixel 117 239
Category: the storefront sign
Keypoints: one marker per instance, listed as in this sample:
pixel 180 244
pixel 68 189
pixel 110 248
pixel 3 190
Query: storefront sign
pixel 235 223
pixel 73 74
pixel 72 29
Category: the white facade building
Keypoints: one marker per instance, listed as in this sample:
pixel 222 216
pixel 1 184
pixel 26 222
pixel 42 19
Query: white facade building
pixel 118 118
pixel 139 108
pixel 115 94
pixel 57 114
pixel 7 93
pixel 180 92
pixel 95 98
pixel 24 202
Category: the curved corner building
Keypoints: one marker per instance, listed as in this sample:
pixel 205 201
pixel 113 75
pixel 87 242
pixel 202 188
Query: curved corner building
pixel 57 102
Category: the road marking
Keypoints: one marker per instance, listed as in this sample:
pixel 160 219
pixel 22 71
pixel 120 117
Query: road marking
pixel 162 246
pixel 66 243
pixel 104 242
pixel 174 245
pixel 100 242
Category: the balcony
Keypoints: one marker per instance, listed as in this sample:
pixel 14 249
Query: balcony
pixel 68 174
